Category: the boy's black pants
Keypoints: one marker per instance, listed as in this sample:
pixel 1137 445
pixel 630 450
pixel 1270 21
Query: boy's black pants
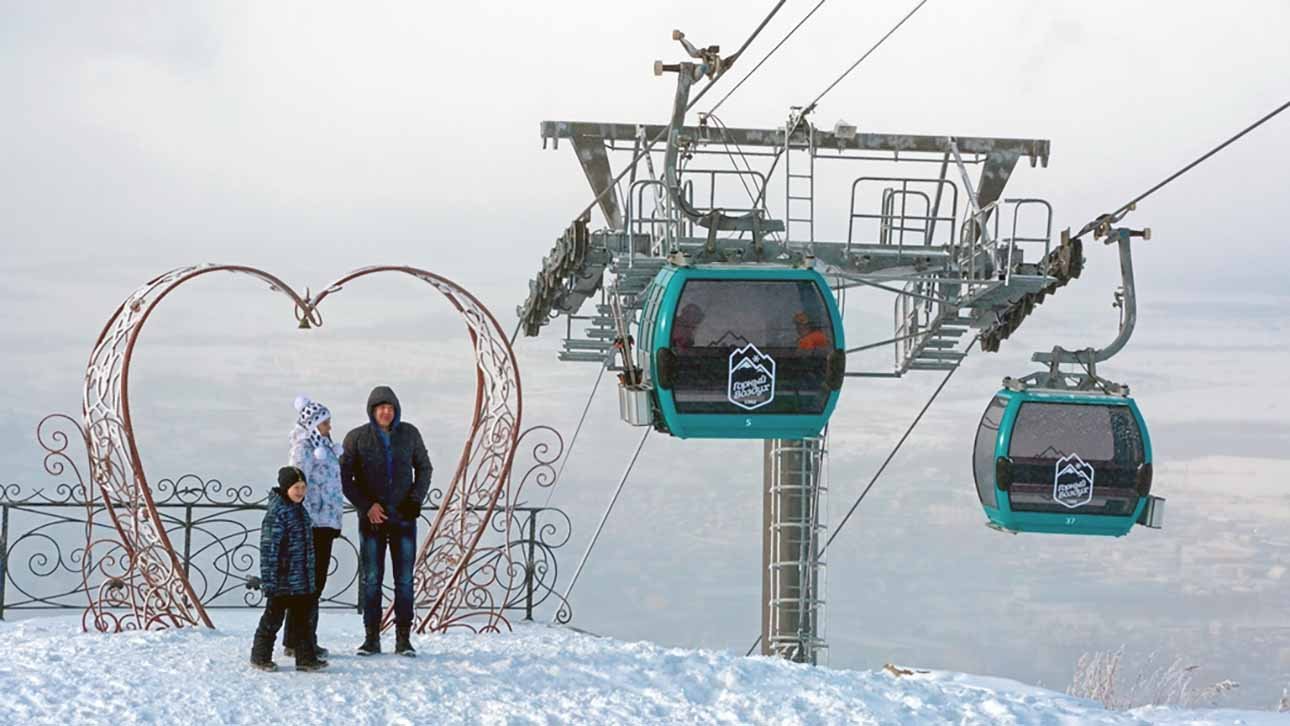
pixel 296 610
pixel 324 537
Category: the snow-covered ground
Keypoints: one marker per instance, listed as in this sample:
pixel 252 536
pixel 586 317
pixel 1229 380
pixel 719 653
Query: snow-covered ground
pixel 50 672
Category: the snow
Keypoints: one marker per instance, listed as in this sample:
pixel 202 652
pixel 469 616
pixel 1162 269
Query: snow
pixel 50 672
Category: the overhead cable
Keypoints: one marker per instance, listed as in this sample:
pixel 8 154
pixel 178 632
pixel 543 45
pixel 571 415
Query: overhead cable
pixel 757 32
pixel 1117 214
pixel 603 519
pixel 881 469
pixel 811 106
pixel 613 183
pixel 766 57
pixel 581 420
pixel 893 453
pixel 796 121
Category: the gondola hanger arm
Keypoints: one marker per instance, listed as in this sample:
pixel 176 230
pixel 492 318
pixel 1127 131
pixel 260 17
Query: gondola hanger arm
pixel 1126 298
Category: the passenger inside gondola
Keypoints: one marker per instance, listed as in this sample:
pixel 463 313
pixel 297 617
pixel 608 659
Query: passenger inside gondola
pixel 727 330
pixel 685 327
pixel 809 335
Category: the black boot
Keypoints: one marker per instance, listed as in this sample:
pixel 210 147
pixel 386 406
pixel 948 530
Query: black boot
pixel 311 666
pixel 305 662
pixel 319 651
pixel 403 641
pixel 372 644
pixel 262 653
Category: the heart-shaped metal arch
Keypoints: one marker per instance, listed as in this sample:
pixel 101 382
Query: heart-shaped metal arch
pixel 141 584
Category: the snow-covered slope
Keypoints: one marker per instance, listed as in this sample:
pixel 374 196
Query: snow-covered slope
pixel 50 672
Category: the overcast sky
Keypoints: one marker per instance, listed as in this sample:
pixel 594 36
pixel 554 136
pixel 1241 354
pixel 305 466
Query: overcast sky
pixel 313 138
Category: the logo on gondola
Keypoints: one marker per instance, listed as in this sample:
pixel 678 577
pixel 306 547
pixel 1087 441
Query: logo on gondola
pixel 751 383
pixel 1072 481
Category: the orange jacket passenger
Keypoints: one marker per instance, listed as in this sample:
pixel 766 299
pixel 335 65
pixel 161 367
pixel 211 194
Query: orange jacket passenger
pixel 813 340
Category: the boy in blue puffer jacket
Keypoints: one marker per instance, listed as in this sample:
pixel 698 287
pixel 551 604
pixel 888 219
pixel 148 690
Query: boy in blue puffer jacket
pixel 287 576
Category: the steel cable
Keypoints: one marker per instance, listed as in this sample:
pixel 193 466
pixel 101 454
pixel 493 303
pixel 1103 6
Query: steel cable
pixel 613 183
pixel 894 451
pixel 811 106
pixel 881 469
pixel 1115 215
pixel 569 454
pixel 595 537
pixel 766 57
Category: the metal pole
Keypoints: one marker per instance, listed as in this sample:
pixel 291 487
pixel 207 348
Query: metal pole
pixel 4 553
pixel 188 539
pixel 936 207
pixel 671 179
pixel 767 509
pixel 528 566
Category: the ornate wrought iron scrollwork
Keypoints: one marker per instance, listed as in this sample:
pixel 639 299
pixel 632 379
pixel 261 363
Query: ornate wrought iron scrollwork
pixel 38 547
pixel 216 530
pixel 145 576
pixel 443 578
pixel 514 567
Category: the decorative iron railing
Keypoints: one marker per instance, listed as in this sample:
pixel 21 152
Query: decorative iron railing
pixel 216 532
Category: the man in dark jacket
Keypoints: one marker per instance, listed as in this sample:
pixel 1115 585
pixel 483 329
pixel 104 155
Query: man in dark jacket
pixel 287 576
pixel 385 471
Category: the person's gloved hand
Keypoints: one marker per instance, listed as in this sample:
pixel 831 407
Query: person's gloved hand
pixel 409 509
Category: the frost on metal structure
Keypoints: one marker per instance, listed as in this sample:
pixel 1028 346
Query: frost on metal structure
pixel 953 250
pixel 140 582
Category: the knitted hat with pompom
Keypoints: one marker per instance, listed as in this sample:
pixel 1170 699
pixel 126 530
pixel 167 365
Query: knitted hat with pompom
pixel 311 414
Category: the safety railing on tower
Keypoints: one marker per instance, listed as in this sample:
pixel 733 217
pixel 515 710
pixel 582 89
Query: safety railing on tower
pixel 909 210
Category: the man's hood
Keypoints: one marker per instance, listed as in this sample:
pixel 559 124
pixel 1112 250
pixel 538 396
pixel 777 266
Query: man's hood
pixel 383 394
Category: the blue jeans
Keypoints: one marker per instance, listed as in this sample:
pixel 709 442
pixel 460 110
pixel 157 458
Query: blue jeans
pixel 400 538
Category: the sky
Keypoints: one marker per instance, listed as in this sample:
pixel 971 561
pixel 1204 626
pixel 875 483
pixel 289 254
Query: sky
pixel 313 138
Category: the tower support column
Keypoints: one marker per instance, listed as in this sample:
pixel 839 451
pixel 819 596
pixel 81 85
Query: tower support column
pixel 792 535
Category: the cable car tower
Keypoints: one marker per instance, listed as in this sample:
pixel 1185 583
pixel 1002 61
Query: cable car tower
pixel 698 306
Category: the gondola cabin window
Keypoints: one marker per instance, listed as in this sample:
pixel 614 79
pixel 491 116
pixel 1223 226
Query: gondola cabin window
pixel 987 435
pixel 751 346
pixel 1106 433
pixel 1094 450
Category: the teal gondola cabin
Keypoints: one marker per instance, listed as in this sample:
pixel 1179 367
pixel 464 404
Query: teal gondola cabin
pixel 741 351
pixel 1064 462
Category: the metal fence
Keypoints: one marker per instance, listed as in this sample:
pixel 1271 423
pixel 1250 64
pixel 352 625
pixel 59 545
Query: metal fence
pixel 216 532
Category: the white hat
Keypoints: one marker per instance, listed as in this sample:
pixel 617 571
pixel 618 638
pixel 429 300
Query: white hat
pixel 311 414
